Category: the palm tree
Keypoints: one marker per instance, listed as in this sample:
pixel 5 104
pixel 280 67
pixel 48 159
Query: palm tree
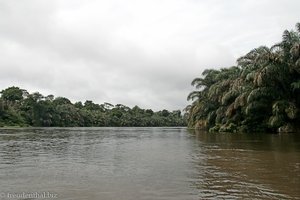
pixel 260 93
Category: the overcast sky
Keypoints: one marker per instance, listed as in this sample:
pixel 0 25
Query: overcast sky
pixel 133 52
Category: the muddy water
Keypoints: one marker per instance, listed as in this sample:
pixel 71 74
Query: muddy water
pixel 147 163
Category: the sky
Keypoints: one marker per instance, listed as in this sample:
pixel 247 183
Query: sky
pixel 131 52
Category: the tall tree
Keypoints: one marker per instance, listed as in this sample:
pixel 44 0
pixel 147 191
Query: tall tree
pixel 260 94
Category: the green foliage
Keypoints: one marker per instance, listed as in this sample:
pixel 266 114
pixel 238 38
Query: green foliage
pixel 265 93
pixel 19 108
pixel 261 93
pixel 295 85
pixel 12 94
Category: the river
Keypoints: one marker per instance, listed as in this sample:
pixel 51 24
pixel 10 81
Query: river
pixel 147 163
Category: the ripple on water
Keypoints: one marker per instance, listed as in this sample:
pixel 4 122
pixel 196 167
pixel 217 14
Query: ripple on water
pixel 149 163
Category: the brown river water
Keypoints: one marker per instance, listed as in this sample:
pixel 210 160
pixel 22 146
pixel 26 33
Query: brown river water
pixel 147 163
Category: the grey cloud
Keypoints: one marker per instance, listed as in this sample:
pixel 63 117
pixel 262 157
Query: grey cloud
pixel 132 52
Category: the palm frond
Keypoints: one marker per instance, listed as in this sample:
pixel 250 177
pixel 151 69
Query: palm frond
pixel 271 74
pixel 295 85
pixel 279 106
pixel 295 51
pixel 237 84
pixel 241 100
pixel 196 81
pixel 193 95
pixel 261 93
pixel 220 114
pixel 211 117
pixel 285 107
pixel 296 66
pixel 209 71
pixel 276 121
pixel 229 97
pixel 230 110
pixel 291 111
pixel 250 76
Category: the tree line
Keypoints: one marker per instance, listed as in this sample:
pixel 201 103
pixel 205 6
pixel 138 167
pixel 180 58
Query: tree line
pixel 260 93
pixel 20 108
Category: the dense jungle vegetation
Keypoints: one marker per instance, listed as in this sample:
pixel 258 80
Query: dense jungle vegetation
pixel 260 93
pixel 19 108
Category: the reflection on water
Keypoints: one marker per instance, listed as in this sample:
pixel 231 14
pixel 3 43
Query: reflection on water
pixel 254 166
pixel 149 163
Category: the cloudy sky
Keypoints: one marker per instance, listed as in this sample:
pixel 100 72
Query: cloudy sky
pixel 133 52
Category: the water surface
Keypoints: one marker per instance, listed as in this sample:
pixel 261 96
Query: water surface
pixel 149 163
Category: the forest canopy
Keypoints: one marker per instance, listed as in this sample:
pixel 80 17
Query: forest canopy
pixel 20 108
pixel 260 93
